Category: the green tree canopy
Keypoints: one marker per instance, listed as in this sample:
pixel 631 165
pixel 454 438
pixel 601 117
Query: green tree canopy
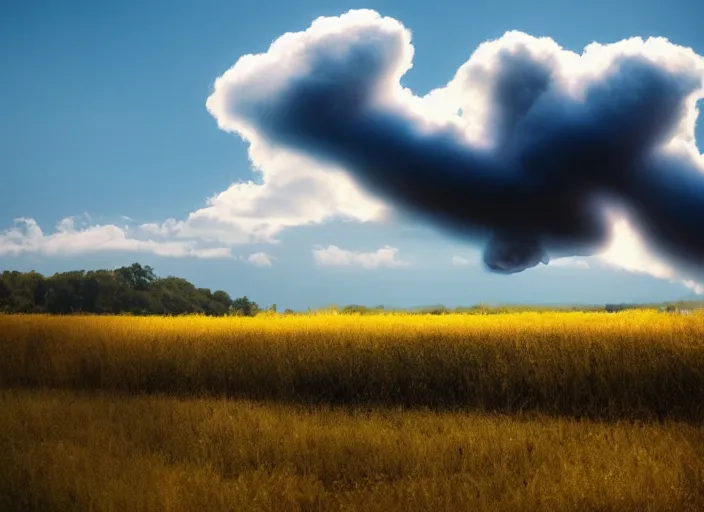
pixel 132 289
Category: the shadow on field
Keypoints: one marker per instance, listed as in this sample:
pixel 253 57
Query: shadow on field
pixel 651 367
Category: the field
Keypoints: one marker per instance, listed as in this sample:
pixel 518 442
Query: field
pixel 525 411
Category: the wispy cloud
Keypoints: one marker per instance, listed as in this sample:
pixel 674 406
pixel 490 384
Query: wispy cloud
pixel 572 262
pixel 260 259
pixel 334 256
pixel 462 261
pixel 294 191
pixel 26 237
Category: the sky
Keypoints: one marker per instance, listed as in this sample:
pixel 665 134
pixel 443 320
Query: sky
pixel 108 155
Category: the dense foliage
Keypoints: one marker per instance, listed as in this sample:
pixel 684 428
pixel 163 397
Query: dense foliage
pixel 134 289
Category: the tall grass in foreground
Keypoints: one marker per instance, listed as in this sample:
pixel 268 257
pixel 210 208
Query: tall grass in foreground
pixel 639 364
pixel 76 451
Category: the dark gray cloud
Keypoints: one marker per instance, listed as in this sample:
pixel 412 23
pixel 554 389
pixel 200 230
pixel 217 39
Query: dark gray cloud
pixel 527 149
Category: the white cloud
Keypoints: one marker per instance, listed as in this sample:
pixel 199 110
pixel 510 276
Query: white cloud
pixel 294 191
pixel 572 262
pixel 333 255
pixel 461 261
pixel 259 259
pixel 26 237
pixel 628 251
pixel 694 286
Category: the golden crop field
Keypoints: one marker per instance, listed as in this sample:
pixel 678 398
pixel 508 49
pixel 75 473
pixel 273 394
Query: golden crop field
pixel 525 411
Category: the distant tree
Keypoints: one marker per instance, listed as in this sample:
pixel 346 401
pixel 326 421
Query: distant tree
pixel 133 289
pixel 177 296
pixel 36 285
pixel 65 293
pixel 222 298
pixel 244 307
pixel 355 309
pixel 26 292
pixel 136 276
pixel 435 310
pixel 5 296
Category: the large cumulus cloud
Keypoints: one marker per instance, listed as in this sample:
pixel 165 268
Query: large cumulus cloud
pixel 533 150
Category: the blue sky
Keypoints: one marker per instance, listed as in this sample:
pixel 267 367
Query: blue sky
pixel 104 119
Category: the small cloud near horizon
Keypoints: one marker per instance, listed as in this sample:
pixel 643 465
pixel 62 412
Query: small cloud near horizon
pixel 334 256
pixel 260 259
pixel 461 261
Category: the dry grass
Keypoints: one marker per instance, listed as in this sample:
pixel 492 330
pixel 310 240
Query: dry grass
pixel 632 365
pixel 534 411
pixel 72 451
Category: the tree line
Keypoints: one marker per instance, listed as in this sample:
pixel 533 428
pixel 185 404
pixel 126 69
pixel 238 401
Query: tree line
pixel 133 289
pixel 136 290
